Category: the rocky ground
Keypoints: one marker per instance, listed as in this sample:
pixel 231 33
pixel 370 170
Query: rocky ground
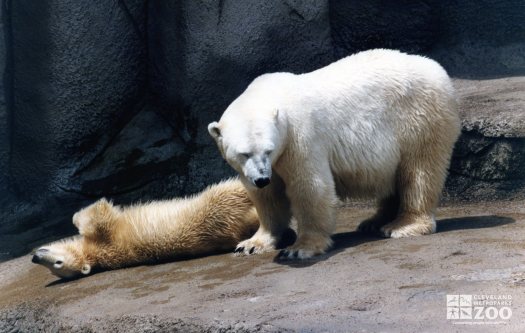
pixel 365 284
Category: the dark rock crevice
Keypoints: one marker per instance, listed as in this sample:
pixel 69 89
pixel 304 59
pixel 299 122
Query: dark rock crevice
pixel 6 102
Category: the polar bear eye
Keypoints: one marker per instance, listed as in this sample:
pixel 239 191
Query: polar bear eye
pixel 268 152
pixel 245 155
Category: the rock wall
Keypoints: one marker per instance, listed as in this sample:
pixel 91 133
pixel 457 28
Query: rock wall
pixel 4 122
pixel 112 98
pixel 471 39
pixel 78 77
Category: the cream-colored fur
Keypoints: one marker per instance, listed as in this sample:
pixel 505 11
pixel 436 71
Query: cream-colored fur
pixel 379 123
pixel 113 237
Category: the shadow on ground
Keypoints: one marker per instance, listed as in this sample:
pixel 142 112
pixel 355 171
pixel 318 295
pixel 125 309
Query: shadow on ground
pixel 345 240
pixel 472 222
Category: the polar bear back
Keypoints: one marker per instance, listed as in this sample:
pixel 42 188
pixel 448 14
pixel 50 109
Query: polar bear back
pixel 372 89
pixel 364 112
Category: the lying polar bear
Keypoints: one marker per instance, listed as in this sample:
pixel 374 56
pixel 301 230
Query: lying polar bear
pixel 114 237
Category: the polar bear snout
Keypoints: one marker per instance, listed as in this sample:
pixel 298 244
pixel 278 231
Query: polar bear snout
pixel 39 254
pixel 258 170
pixel 46 258
pixel 42 256
pixel 262 182
pixel 60 261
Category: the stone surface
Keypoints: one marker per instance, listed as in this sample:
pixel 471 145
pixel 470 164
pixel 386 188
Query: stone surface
pixel 490 154
pixel 363 285
pixel 493 108
pixel 76 83
pixel 480 39
pixel 412 26
pixel 4 119
pixel 74 76
pixel 471 39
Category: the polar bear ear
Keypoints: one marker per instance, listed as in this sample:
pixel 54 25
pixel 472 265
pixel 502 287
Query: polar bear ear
pixel 214 130
pixel 103 206
pixel 102 202
pixel 86 269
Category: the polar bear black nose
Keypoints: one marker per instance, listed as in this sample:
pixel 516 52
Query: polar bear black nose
pixel 262 182
pixel 38 255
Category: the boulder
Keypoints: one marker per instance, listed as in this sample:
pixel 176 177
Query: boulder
pixel 490 154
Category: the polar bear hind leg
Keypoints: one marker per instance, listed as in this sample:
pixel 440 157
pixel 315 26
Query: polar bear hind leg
pixel 420 182
pixel 422 169
pixel 388 209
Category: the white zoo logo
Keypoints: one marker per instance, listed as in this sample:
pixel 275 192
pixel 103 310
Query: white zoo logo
pixel 479 308
pixel 459 306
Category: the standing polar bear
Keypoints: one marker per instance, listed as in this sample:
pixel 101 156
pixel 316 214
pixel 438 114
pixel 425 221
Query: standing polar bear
pixel 379 123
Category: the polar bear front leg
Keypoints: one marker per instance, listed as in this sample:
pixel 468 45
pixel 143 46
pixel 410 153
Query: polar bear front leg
pixel 314 201
pixel 273 208
pixel 97 220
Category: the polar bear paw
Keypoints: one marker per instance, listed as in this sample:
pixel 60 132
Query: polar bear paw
pixel 371 225
pixel 84 223
pixel 306 249
pixel 409 226
pixel 255 245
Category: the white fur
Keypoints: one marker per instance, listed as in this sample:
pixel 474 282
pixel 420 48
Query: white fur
pixel 358 127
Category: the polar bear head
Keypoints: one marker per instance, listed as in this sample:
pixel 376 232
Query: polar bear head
pixel 63 258
pixel 250 142
pixel 252 132
pixel 77 256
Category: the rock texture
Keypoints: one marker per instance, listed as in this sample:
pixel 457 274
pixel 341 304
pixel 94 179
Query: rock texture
pixel 112 99
pixel 363 285
pixel 4 119
pixel 472 39
pixel 489 158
